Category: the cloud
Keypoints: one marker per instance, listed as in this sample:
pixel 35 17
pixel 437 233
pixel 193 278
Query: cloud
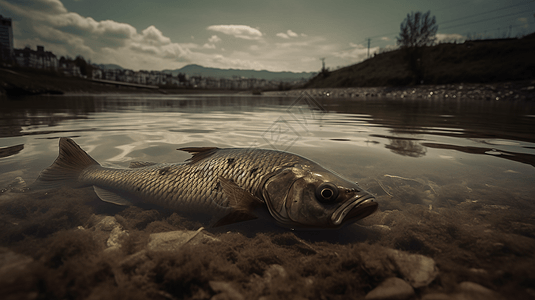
pixel 357 53
pixel 214 39
pixel 211 42
pixel 385 38
pixel 289 34
pixel 49 23
pixel 449 37
pixel 239 31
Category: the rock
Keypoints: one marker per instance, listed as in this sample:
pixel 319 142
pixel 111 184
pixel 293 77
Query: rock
pixel 173 240
pixel 274 271
pixel 107 223
pixel 417 269
pixel 115 237
pixel 113 230
pixel 225 291
pixel 476 291
pixel 391 288
pixel 436 296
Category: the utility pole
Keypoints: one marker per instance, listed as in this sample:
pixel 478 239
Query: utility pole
pixel 369 47
pixel 323 64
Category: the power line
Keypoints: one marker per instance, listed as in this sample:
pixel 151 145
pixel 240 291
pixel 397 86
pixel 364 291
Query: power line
pixel 459 25
pixel 493 18
pixel 484 13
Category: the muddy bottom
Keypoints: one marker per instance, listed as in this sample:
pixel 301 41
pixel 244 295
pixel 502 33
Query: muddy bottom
pixel 67 244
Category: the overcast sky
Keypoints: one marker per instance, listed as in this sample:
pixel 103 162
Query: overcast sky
pixel 283 35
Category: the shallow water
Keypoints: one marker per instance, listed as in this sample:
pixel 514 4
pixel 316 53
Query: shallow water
pixel 443 146
pixel 444 171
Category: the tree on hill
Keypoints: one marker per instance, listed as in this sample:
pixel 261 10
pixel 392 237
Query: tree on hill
pixel 418 30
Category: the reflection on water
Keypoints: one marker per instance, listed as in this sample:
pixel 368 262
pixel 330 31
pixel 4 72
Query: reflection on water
pixel 440 144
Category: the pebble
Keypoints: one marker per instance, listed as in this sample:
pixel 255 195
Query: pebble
pixel 107 223
pixel 495 91
pixel 478 291
pixel 391 288
pixel 173 240
pixel 274 271
pixel 114 230
pixel 436 296
pixel 416 269
pixel 225 291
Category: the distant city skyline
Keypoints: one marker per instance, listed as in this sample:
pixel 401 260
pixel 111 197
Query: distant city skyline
pixel 268 35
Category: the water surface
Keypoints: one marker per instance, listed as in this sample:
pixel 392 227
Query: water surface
pixel 433 152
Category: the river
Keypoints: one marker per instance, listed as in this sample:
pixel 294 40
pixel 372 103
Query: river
pixel 451 164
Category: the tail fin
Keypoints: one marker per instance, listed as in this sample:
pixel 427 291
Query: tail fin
pixel 71 161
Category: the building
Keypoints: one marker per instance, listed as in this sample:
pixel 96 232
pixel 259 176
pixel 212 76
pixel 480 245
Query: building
pixel 39 59
pixel 6 39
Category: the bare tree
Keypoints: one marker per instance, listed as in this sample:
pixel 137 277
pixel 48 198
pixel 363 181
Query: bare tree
pixel 417 31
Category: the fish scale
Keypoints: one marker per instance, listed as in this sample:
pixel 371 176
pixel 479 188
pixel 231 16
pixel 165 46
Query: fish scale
pixel 191 186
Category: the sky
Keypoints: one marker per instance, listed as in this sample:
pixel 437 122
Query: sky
pixel 278 35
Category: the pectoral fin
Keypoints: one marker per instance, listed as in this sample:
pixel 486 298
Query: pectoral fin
pixel 239 198
pixel 111 197
pixel 243 203
pixel 234 217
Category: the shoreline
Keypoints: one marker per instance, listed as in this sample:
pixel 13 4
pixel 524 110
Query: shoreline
pixel 514 90
pixel 17 83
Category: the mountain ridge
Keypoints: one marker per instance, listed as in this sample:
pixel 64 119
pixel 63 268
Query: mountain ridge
pixel 198 70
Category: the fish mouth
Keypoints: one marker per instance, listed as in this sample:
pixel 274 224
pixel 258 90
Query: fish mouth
pixel 354 210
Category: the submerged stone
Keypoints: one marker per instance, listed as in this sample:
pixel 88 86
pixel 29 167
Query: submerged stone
pixel 436 296
pixel 107 223
pixel 391 288
pixel 417 269
pixel 476 291
pixel 112 228
pixel 173 240
pixel 225 291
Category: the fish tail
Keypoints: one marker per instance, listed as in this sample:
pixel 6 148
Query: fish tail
pixel 71 161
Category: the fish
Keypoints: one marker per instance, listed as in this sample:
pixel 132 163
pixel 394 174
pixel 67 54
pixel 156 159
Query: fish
pixel 230 184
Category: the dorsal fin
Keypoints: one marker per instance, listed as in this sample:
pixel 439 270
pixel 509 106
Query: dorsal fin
pixel 199 153
pixel 141 164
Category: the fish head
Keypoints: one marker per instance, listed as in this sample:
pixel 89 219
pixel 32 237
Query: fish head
pixel 310 196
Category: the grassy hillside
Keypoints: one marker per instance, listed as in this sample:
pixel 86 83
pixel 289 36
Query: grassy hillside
pixel 470 62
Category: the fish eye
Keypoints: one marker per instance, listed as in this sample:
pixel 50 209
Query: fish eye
pixel 326 192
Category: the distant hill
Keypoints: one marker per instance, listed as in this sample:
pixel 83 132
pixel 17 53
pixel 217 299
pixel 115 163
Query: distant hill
pixel 193 70
pixel 478 61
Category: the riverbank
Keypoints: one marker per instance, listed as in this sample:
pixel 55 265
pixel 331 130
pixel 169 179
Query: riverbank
pixel 38 82
pixel 27 82
pixel 516 90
